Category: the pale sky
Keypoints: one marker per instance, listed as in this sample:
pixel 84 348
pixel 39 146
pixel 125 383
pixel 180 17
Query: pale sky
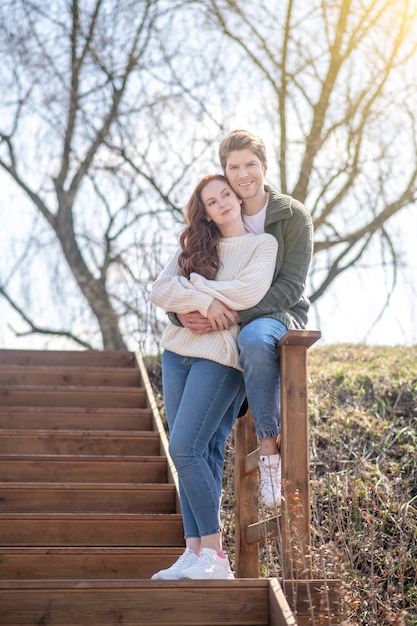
pixel 351 312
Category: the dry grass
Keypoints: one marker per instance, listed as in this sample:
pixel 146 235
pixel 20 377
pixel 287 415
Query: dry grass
pixel 363 425
pixel 363 452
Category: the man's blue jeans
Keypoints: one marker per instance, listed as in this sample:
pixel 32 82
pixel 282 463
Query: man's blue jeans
pixel 202 399
pixel 258 358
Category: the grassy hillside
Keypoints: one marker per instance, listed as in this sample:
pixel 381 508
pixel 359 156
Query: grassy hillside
pixel 363 452
pixel 363 425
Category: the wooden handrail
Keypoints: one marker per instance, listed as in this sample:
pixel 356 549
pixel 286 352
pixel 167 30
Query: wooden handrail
pixel 159 427
pixel 294 521
pixel 295 507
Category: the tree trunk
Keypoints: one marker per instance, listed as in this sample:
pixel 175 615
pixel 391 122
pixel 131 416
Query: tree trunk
pixel 93 289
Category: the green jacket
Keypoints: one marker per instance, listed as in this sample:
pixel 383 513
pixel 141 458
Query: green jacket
pixel 291 224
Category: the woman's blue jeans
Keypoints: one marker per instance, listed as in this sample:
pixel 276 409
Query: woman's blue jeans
pixel 202 399
pixel 258 358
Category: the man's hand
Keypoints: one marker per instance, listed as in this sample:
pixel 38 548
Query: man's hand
pixel 195 321
pixel 219 317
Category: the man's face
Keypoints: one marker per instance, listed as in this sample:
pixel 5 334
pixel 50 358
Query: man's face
pixel 245 173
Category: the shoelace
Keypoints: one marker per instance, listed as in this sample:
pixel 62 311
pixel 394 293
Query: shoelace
pixel 185 556
pixel 207 559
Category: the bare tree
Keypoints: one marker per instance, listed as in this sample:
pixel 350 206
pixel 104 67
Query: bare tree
pixel 339 92
pixel 111 108
pixel 90 91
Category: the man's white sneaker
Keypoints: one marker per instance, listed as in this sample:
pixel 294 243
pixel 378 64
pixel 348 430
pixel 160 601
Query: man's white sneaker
pixel 270 479
pixel 187 559
pixel 210 566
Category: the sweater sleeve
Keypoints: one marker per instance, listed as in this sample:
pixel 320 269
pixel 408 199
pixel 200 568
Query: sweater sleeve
pixel 253 281
pixel 173 292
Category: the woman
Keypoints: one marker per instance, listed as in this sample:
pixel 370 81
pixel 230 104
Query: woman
pixel 219 266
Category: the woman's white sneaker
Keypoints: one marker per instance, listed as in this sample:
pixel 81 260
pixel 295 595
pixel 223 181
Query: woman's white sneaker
pixel 186 560
pixel 210 566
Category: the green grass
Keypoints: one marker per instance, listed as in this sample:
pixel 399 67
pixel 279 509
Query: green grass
pixel 363 433
pixel 363 453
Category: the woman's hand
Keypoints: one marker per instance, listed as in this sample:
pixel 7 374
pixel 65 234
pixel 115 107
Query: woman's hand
pixel 219 317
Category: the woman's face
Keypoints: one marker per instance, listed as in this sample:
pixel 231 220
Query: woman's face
pixel 221 203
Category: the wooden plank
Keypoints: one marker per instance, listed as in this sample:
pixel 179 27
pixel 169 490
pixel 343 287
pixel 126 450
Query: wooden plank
pixel 37 529
pixel 295 507
pixel 251 594
pixel 296 513
pixel 132 604
pixel 106 397
pixel 304 338
pixel 159 427
pixel 84 563
pixel 264 529
pixel 79 443
pixel 86 498
pixel 83 469
pixel 72 375
pixel 246 498
pixel 251 461
pixel 280 613
pixel 75 418
pixel 90 358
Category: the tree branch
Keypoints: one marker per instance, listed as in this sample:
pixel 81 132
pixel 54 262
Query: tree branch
pixel 39 330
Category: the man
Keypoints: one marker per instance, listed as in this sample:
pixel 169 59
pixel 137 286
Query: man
pixel 285 306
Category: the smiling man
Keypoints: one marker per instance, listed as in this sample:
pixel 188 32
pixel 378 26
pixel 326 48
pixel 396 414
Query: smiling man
pixel 285 306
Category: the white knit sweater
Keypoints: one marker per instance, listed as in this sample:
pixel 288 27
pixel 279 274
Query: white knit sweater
pixel 247 267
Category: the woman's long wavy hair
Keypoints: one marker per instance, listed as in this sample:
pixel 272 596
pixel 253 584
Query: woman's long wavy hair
pixel 200 238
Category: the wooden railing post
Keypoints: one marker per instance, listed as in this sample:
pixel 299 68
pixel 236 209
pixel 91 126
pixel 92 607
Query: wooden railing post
pixel 295 517
pixel 295 507
pixel 246 496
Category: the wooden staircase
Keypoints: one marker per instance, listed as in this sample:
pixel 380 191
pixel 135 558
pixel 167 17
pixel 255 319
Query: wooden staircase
pixel 89 506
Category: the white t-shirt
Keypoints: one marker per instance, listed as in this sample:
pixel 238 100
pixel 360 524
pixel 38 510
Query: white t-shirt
pixel 255 223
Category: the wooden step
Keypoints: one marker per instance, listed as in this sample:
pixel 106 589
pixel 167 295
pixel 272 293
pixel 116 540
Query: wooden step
pixel 78 358
pixel 79 442
pixel 75 418
pixel 136 603
pixel 73 375
pixel 55 395
pixel 91 529
pixel 108 469
pixel 86 498
pixel 84 563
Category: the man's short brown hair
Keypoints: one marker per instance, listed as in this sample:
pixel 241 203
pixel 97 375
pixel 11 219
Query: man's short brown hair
pixel 241 140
